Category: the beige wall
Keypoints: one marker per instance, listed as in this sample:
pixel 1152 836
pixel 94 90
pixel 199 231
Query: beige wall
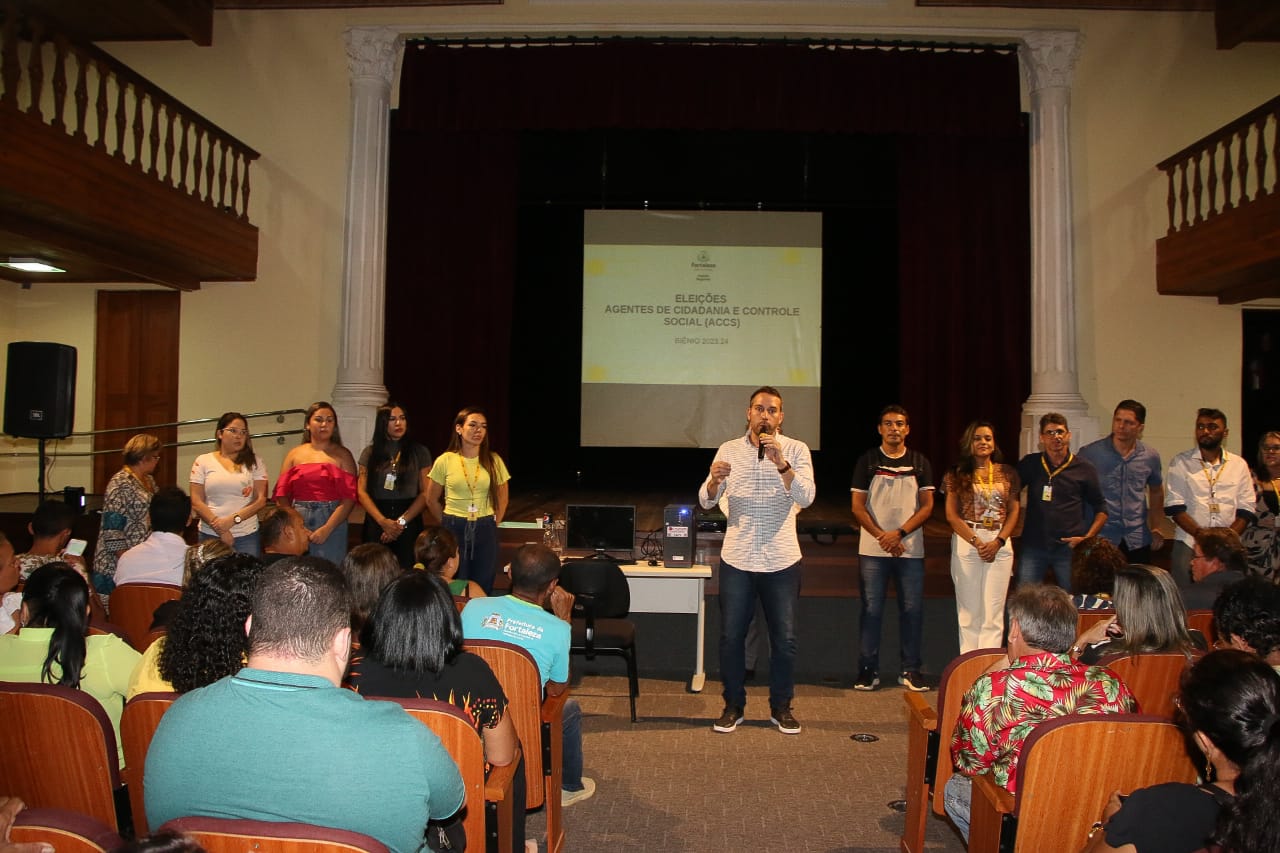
pixel 1146 85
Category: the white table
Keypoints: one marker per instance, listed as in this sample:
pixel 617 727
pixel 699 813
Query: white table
pixel 660 589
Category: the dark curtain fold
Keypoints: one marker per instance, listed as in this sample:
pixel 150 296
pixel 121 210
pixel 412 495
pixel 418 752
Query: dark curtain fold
pixel 964 269
pixel 963 248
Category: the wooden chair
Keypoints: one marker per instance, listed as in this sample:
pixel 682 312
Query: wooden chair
pixel 1084 618
pixel 134 604
pixel 601 603
pixel 67 831
pixel 138 724
pixel 1066 772
pixel 227 835
pixel 538 724
pixel 929 741
pixel 485 797
pixel 1153 678
pixel 58 751
pixel 1202 621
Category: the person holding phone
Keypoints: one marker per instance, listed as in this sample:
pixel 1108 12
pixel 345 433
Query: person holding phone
pixel 1150 618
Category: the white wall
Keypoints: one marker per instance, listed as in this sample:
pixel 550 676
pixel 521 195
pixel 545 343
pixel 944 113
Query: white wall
pixel 1146 85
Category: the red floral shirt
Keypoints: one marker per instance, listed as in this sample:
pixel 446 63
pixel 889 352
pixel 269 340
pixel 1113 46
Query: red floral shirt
pixel 1002 709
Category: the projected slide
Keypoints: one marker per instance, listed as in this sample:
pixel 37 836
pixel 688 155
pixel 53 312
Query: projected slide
pixel 685 313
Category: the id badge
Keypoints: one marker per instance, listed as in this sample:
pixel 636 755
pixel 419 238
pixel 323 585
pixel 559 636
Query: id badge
pixel 389 484
pixel 471 512
pixel 1047 494
pixel 988 523
pixel 1213 508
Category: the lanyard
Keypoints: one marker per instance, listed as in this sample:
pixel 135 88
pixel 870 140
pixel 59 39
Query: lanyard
pixel 1213 481
pixel 471 484
pixel 1055 472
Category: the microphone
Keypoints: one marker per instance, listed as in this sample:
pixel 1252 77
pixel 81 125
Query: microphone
pixel 764 430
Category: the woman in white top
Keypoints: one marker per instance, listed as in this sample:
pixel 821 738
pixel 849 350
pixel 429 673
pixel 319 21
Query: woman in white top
pixel 229 486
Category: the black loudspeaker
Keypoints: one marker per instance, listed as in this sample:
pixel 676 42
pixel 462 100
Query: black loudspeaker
pixel 679 532
pixel 40 390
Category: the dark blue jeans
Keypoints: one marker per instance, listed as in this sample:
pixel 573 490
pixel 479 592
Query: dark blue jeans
pixel 477 549
pixel 1034 562
pixel 908 582
pixel 778 593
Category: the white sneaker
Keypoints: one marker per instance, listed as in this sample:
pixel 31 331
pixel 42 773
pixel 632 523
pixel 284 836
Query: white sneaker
pixel 568 798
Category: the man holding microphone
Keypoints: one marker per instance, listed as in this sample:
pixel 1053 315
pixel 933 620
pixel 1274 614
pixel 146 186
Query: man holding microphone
pixel 765 478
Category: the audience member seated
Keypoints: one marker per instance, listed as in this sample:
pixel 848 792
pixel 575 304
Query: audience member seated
pixel 1230 703
pixel 50 529
pixel 51 647
pixel 1094 563
pixel 11 602
pixel 161 556
pixel 283 533
pixel 1149 619
pixel 282 741
pixel 1217 561
pixel 206 640
pixel 522 620
pixel 368 569
pixel 413 649
pixel 1247 617
pixel 1003 707
pixel 437 552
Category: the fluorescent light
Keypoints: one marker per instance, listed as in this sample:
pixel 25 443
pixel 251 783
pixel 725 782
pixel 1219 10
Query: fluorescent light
pixel 30 265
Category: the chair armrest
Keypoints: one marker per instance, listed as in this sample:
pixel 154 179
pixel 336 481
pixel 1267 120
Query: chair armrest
pixel 497 787
pixel 919 712
pixel 553 707
pixel 987 808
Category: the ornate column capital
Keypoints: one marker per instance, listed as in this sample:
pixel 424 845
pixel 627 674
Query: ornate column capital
pixel 1048 57
pixel 372 52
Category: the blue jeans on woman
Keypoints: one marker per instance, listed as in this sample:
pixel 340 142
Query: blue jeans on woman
pixel 314 515
pixel 873 583
pixel 778 593
pixel 477 548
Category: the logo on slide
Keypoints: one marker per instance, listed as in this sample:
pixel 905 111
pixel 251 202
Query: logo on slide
pixel 704 256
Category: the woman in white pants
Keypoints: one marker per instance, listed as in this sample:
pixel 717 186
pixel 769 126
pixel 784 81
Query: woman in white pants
pixel 982 508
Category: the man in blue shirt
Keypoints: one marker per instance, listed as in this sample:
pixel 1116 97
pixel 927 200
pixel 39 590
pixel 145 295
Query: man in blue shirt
pixel 1129 475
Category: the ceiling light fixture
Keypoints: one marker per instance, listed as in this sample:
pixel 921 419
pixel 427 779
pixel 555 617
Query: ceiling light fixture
pixel 30 265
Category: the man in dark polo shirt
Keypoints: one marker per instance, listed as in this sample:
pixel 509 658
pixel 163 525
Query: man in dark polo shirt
pixel 1060 488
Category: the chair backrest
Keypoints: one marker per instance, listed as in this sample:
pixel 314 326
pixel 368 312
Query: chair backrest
pixel 68 832
pixel 956 680
pixel 1069 767
pixel 467 749
pixel 58 750
pixel 599 588
pixel 1202 621
pixel 517 672
pixel 227 835
pixel 134 604
pixel 138 725
pixel 1154 678
pixel 1086 619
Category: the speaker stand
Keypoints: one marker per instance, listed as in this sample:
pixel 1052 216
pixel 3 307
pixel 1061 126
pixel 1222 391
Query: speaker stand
pixel 41 476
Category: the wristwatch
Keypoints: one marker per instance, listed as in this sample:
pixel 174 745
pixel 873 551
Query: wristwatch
pixel 237 519
pixel 400 521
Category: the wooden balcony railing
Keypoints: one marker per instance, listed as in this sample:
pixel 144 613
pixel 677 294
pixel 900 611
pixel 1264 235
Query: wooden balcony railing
pixel 1230 168
pixel 95 99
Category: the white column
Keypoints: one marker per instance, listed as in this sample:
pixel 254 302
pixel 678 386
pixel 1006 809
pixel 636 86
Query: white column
pixel 372 54
pixel 1047 59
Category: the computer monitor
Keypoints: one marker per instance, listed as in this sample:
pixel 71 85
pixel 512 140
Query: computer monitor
pixel 601 528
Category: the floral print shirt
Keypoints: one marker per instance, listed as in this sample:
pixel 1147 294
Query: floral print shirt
pixel 1002 708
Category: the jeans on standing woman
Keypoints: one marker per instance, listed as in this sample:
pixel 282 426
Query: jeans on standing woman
pixel 477 549
pixel 314 515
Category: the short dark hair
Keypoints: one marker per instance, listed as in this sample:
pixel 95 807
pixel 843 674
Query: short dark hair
pixel 51 518
pixel 895 409
pixel 170 510
pixel 368 568
pixel 533 568
pixel 1094 563
pixel 1223 544
pixel 273 520
pixel 1053 418
pixel 1212 414
pixel 1250 609
pixel 416 626
pixel 1139 410
pixel 1046 615
pixel 435 547
pixel 765 389
pixel 299 603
